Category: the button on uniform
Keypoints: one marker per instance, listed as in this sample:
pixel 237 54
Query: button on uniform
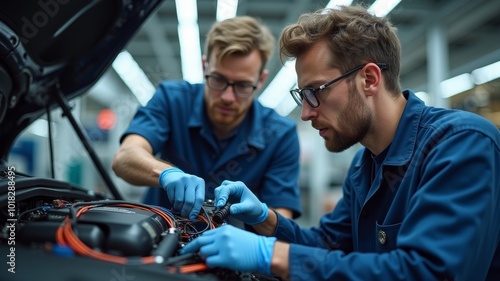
pixel 382 237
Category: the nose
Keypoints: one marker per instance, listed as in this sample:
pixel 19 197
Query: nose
pixel 228 95
pixel 308 112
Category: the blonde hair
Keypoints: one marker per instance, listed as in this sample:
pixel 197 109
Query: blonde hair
pixel 354 36
pixel 240 36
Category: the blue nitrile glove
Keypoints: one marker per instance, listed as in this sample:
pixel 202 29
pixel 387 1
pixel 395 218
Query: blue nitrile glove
pixel 186 192
pixel 234 248
pixel 245 205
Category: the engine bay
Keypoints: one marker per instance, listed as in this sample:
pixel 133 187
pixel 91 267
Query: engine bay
pixel 63 223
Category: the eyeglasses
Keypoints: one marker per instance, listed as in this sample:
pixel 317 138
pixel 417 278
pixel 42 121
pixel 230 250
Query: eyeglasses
pixel 309 94
pixel 243 89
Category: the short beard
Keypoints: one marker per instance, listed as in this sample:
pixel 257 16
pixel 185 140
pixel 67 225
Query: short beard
pixel 354 123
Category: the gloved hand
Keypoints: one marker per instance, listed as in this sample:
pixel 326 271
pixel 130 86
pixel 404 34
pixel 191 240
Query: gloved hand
pixel 186 192
pixel 234 248
pixel 245 205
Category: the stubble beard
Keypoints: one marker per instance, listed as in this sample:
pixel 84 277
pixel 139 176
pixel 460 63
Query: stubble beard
pixel 354 123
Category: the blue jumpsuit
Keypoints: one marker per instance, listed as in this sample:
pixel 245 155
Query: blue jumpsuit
pixel 430 210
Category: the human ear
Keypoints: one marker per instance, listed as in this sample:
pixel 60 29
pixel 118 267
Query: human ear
pixel 372 76
pixel 204 63
pixel 262 78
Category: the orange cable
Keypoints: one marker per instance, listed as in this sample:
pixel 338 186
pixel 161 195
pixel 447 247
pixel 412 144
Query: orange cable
pixel 189 268
pixel 66 237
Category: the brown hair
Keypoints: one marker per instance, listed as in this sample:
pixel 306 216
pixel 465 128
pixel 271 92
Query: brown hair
pixel 354 36
pixel 240 36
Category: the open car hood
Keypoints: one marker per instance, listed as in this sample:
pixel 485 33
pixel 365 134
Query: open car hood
pixel 57 48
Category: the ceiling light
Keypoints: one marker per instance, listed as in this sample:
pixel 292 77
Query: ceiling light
pixel 456 85
pixel 187 11
pixel 189 40
pixel 287 105
pixel 486 74
pixel 278 88
pixel 334 4
pixel 226 9
pixel 381 8
pixel 133 76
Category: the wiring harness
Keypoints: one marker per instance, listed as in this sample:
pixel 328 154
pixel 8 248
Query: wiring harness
pixel 180 231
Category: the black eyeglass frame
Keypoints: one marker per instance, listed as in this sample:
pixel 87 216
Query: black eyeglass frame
pixel 254 87
pixel 310 93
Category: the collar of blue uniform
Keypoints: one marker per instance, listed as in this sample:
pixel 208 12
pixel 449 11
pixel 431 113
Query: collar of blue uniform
pixel 403 144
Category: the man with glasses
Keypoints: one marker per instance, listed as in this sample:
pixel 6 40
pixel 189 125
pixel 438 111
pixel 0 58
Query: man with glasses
pixel 189 138
pixel 421 200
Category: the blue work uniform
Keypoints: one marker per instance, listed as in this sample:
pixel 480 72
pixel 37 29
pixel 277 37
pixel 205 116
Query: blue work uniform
pixel 429 210
pixel 263 152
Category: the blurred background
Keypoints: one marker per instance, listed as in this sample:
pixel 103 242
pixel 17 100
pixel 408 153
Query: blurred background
pixel 451 58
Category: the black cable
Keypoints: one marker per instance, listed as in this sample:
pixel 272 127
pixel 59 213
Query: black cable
pixel 51 145
pixel 221 214
pixel 207 217
pixel 181 259
pixel 19 218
